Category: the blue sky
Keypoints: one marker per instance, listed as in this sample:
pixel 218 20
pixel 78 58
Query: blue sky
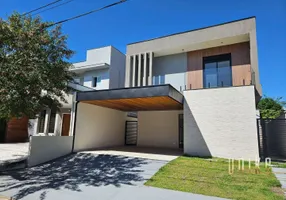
pixel 137 20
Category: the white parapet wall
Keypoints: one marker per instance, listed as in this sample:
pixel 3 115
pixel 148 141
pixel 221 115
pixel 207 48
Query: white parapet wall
pixel 221 122
pixel 98 127
pixel 47 148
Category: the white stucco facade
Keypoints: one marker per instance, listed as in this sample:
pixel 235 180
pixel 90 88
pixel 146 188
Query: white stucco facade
pixel 102 82
pixel 221 122
pixel 46 148
pixel 107 64
pixel 158 129
pixel 170 69
pixel 98 127
pixel 102 65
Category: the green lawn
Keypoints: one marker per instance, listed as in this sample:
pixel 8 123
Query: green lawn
pixel 211 177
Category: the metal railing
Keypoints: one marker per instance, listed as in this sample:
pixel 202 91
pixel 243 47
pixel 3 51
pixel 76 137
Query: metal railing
pixel 242 82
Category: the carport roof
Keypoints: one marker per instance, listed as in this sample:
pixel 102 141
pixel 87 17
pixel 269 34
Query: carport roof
pixel 160 97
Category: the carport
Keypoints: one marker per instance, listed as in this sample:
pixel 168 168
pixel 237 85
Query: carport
pixel 100 119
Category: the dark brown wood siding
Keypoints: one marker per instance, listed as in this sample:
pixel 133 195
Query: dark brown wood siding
pixel 17 130
pixel 139 104
pixel 66 124
pixel 240 59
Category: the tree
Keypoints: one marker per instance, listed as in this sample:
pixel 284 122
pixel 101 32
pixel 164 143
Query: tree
pixel 271 108
pixel 34 70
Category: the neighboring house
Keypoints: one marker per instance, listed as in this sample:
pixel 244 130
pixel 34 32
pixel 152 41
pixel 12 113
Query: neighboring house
pixel 15 130
pixel 104 68
pixel 196 90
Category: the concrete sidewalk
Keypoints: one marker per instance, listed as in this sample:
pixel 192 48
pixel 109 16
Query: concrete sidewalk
pixel 11 152
pixel 280 174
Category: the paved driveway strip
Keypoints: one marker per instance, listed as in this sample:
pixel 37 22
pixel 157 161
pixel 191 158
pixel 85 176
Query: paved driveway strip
pixel 89 176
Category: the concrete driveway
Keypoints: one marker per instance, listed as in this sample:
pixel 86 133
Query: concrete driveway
pixel 90 176
pixel 11 152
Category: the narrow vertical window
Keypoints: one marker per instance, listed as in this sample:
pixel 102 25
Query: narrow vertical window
pixel 52 121
pixel 94 81
pixel 41 121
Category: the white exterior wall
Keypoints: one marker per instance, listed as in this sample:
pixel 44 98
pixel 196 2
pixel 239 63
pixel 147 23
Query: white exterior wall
pixel 221 122
pixel 33 127
pixel 173 68
pixel 104 76
pixel 158 129
pixel 113 73
pixel 46 148
pixel 98 127
pixel 117 69
pixel 99 55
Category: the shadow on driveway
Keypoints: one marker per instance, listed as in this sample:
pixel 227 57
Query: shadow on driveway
pixel 72 171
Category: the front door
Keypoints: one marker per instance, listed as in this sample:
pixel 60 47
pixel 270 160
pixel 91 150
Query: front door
pixel 66 124
pixel 181 131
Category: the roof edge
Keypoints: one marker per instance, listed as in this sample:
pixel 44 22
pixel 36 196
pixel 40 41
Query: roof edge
pixel 192 30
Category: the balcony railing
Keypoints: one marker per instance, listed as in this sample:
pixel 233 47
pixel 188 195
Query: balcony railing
pixel 242 78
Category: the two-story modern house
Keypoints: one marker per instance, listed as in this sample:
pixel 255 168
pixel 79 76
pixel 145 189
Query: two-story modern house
pixel 196 90
pixel 104 68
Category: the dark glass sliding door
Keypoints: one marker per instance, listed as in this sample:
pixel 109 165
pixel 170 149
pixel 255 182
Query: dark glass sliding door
pixel 217 71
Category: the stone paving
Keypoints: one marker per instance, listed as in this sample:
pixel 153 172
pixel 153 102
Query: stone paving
pixel 13 152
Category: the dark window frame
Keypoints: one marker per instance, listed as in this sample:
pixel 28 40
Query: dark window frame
pixel 52 120
pixel 41 121
pixel 216 59
pixel 94 81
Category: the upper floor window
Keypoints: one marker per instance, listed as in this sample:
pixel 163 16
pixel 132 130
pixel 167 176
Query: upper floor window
pixel 52 121
pixel 41 121
pixel 77 80
pixel 217 71
pixel 95 81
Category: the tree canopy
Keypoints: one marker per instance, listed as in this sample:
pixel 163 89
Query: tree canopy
pixel 271 108
pixel 34 67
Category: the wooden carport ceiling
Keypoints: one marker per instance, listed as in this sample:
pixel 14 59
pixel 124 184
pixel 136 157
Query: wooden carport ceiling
pixel 163 97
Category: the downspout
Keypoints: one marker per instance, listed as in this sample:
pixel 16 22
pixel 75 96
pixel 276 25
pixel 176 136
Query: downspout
pixel 74 126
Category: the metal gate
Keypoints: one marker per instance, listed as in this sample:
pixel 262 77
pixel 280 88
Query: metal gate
pixel 131 132
pixel 272 138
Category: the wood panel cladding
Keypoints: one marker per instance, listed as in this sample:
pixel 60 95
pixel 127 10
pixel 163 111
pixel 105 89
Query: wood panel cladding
pixel 240 60
pixel 66 124
pixel 17 130
pixel 139 104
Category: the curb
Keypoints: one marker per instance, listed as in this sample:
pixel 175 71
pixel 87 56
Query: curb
pixel 13 165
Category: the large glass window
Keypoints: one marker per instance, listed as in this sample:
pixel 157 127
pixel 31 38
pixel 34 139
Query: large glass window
pixel 217 71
